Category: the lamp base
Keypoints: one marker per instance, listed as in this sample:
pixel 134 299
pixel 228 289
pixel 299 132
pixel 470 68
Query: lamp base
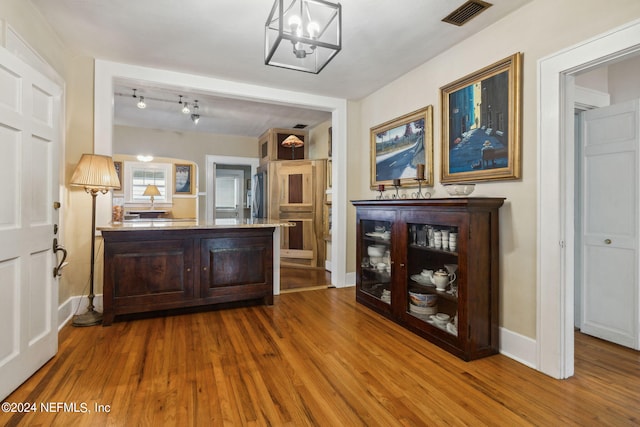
pixel 90 318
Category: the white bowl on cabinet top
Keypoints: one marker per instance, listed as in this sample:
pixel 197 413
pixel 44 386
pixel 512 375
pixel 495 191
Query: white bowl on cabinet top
pixel 459 190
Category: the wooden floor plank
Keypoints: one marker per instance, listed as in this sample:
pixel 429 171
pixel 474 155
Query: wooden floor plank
pixel 314 358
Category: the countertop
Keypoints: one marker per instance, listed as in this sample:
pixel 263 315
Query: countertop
pixel 173 224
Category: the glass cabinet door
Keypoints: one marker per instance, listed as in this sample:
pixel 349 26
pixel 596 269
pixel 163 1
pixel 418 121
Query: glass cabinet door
pixel 375 265
pixel 432 267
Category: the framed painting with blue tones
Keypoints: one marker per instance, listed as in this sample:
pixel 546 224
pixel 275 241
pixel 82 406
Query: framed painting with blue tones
pixel 481 124
pixel 183 181
pixel 399 146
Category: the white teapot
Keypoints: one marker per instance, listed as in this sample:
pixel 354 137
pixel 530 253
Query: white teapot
pixel 441 279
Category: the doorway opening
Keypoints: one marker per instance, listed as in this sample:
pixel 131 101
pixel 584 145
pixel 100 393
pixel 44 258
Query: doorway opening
pixel 229 196
pixel 556 184
pixel 231 192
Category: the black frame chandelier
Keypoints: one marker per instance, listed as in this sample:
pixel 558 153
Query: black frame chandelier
pixel 303 35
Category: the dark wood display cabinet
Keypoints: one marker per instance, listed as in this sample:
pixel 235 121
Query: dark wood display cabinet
pixel 432 266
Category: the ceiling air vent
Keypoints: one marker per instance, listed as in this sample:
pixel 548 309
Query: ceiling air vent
pixel 466 12
pixel 300 126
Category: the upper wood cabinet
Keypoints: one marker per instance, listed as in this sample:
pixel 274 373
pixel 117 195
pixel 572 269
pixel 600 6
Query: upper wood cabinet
pixel 270 145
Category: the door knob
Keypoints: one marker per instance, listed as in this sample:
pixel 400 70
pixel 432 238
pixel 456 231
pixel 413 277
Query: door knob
pixel 607 241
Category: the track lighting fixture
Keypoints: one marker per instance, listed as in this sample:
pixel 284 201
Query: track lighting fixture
pixel 195 116
pixel 141 104
pixel 185 106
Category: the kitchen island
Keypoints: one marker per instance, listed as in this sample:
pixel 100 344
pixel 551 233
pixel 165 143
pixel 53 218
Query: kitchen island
pixel 160 265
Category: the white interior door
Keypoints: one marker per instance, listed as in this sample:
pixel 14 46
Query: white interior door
pixel 30 108
pixel 610 223
pixel 229 194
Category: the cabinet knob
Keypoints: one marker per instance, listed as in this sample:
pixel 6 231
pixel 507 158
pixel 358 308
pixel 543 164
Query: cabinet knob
pixel 204 268
pixel 402 264
pixel 607 241
pixel 188 270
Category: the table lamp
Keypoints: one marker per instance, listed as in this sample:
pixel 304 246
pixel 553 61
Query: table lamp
pixel 151 191
pixel 293 142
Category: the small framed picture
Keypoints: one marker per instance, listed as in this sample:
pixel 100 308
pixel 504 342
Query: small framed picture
pixel 183 179
pixel 118 166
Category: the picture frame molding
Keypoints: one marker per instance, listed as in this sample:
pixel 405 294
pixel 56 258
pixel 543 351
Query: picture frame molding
pixel 513 65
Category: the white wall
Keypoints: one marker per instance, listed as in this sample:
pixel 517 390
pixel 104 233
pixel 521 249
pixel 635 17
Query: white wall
pixel 624 80
pixel 620 80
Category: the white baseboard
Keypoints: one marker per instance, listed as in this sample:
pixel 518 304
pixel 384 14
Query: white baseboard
pixel 518 347
pixel 349 279
pixel 76 305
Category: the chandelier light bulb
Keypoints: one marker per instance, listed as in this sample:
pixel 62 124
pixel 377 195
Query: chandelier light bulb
pixel 185 109
pixel 313 29
pixel 294 24
pixel 141 103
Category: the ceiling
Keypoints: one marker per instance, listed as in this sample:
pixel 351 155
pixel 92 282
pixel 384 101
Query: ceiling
pixel 381 41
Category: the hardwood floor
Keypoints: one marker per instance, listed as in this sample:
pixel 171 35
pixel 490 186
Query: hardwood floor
pixel 294 279
pixel 313 358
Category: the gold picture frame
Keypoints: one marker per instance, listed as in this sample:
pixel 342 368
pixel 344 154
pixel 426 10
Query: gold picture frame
pixel 482 124
pixel 399 146
pixel 183 179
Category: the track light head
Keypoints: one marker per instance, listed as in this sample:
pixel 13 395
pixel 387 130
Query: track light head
pixel 195 116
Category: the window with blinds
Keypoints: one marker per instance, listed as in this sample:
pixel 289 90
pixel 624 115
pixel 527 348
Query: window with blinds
pixel 141 177
pixel 138 175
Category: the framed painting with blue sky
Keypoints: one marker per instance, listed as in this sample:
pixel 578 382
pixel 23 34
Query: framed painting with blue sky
pixel 481 124
pixel 399 146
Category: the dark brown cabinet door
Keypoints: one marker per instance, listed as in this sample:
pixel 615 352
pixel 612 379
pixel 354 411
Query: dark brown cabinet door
pixel 375 245
pixel 147 275
pixel 426 254
pixel 236 268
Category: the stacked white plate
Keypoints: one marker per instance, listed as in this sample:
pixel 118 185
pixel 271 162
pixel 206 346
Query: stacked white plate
pixel 423 310
pixel 386 296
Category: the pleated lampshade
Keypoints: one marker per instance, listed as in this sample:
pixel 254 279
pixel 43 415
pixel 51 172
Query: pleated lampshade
pixel 95 171
pixel 151 190
pixel 292 141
